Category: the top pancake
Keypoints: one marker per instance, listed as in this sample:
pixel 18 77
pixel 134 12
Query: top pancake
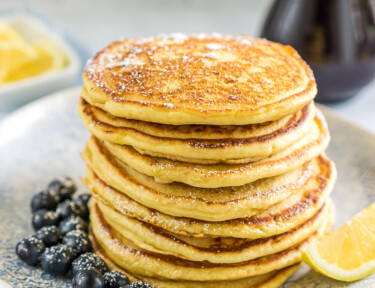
pixel 199 79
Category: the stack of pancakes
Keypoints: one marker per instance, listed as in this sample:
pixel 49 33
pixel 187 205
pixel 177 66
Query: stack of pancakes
pixel 206 161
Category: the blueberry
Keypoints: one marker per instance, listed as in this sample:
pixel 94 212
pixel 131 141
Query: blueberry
pixel 57 260
pixel 43 218
pixel 69 208
pixel 73 223
pixel 139 285
pixel 30 250
pixel 50 235
pixel 55 185
pixel 44 200
pixel 64 187
pixel 83 199
pixel 89 261
pixel 115 279
pixel 88 279
pixel 78 241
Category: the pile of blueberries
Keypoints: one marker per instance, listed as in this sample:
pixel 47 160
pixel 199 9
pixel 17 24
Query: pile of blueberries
pixel 61 244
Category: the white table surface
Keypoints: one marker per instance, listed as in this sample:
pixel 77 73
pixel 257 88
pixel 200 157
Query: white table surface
pixel 96 23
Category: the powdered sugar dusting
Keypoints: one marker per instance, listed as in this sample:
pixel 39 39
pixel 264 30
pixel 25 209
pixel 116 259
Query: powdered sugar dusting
pixel 185 58
pixel 213 46
pixel 210 55
pixel 125 62
pixel 178 37
pixel 168 105
pixel 144 41
pixel 245 42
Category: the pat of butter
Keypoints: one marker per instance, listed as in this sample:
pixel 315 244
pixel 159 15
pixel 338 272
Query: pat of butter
pixel 20 59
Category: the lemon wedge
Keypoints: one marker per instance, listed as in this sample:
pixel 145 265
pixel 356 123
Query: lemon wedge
pixel 20 59
pixel 8 34
pixel 14 52
pixel 53 51
pixel 347 254
pixel 48 57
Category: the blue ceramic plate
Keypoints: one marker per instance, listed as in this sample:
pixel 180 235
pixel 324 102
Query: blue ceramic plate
pixel 44 139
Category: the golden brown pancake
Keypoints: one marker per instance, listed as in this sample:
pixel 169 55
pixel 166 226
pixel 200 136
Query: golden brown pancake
pixel 200 143
pixel 210 204
pixel 182 80
pixel 270 280
pixel 220 175
pixel 214 250
pixel 277 219
pixel 142 262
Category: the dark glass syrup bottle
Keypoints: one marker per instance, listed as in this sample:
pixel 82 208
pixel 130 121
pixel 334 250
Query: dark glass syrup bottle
pixel 335 37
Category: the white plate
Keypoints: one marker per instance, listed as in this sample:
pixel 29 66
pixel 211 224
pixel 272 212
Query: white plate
pixel 44 139
pixel 16 93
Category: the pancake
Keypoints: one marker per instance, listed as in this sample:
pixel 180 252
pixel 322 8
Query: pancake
pixel 199 143
pixel 223 175
pixel 270 280
pixel 210 204
pixel 214 250
pixel 182 80
pixel 142 262
pixel 277 219
pixel 200 161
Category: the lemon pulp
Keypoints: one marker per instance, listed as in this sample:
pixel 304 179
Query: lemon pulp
pixel 347 254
